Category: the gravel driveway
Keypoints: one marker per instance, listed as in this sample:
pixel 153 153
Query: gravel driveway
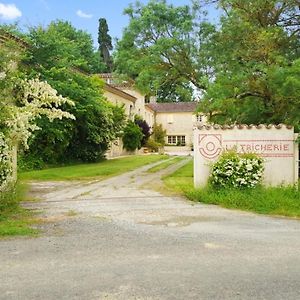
pixel 125 238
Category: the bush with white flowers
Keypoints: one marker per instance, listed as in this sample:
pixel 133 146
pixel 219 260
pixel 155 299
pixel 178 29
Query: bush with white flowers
pixel 237 170
pixel 5 162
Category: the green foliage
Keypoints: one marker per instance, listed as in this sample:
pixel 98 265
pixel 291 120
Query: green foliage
pixel 105 44
pixel 160 47
pixel 5 162
pixel 237 170
pixel 283 201
pixel 59 55
pixel 132 136
pixel 159 134
pixel 255 62
pixel 60 45
pixel 175 91
pixel 144 127
pixel 181 180
pixel 14 221
pixel 247 67
pixel 153 145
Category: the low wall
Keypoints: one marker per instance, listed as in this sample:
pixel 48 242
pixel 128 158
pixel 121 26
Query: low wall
pixel 275 143
pixel 168 149
pixel 116 150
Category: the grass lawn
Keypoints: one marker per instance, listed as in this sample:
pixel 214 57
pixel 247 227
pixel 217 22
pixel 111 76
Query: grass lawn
pixel 99 170
pixel 181 180
pixel 284 201
pixel 166 164
pixel 14 220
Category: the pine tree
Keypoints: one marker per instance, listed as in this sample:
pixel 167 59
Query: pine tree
pixel 105 44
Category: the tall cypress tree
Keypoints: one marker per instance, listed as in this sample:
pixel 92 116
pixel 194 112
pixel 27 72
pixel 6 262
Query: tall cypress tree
pixel 105 44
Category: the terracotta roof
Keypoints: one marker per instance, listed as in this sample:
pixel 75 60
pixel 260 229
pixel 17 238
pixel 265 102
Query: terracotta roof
pixel 244 126
pixel 118 92
pixel 173 107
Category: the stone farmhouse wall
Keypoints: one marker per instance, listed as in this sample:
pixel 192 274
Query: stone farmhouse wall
pixel 275 143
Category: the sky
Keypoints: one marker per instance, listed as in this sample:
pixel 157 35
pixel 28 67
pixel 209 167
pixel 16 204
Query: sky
pixel 83 14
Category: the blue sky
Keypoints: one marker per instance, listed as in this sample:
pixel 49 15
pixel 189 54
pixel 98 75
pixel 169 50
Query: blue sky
pixel 82 14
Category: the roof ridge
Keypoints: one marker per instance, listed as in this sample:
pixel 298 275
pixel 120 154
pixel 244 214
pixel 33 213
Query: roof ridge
pixel 243 126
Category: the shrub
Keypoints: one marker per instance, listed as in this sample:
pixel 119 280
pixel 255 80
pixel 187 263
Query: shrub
pixel 153 145
pixel 5 162
pixel 237 170
pixel 145 128
pixel 159 134
pixel 132 137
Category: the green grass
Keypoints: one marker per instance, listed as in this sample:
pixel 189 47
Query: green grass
pixel 283 201
pixel 165 164
pixel 181 180
pixel 99 170
pixel 14 220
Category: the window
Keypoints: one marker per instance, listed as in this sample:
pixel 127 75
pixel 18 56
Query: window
pixel 147 99
pixel 199 118
pixel 170 119
pixel 178 140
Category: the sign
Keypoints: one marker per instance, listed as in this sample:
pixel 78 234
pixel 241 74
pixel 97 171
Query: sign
pixel 276 144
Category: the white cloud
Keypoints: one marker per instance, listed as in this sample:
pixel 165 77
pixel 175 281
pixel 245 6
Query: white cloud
pixel 9 11
pixel 82 14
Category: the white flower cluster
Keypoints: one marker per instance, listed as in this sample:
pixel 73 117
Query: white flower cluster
pixel 5 162
pixel 36 98
pixel 234 170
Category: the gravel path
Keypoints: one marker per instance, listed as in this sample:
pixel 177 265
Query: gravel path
pixel 125 238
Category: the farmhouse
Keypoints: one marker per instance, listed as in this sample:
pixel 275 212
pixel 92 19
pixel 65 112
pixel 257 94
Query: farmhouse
pixel 177 119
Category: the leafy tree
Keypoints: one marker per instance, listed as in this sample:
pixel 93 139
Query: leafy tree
pixel 132 137
pixel 246 67
pixel 160 47
pixel 22 102
pixel 59 54
pixel 176 91
pixel 255 59
pixel 105 44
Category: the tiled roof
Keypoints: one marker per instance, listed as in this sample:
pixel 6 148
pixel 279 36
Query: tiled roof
pixel 119 92
pixel 173 107
pixel 114 81
pixel 244 126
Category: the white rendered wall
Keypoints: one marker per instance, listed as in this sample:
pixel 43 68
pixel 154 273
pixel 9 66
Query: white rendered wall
pixel 276 144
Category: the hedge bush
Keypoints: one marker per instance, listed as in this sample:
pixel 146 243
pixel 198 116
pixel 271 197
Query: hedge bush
pixel 237 170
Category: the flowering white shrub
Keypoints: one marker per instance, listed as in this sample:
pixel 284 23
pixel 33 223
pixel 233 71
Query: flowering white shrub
pixel 237 170
pixel 5 162
pixel 34 99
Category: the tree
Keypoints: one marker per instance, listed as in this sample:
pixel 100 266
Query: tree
pixel 22 102
pixel 160 47
pixel 255 59
pixel 105 44
pixel 132 136
pixel 246 67
pixel 60 54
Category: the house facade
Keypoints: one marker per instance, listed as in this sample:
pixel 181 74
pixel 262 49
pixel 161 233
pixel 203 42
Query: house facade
pixel 177 118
